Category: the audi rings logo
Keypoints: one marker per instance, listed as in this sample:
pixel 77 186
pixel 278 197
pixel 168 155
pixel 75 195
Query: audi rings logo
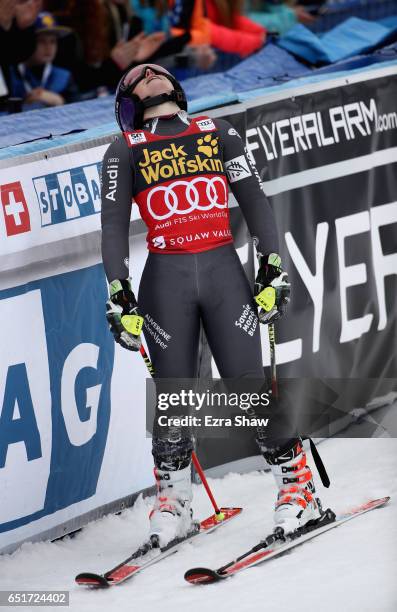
pixel 183 197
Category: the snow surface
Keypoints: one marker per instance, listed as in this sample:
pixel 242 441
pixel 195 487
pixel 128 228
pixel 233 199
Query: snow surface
pixel 350 569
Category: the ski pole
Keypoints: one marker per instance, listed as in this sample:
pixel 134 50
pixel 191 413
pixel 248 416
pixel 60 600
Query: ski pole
pixel 219 515
pixel 147 361
pixel 266 299
pixel 272 344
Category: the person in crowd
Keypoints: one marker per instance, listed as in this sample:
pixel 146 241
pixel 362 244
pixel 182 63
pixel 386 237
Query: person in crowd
pixel 276 16
pixel 108 39
pixel 219 24
pixel 231 30
pixel 152 13
pixel 37 80
pixel 17 34
pixel 184 22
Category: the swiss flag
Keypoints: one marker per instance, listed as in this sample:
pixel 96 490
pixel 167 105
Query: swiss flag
pixel 15 209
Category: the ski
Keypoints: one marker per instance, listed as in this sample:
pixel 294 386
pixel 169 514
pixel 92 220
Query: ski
pixel 278 543
pixel 150 552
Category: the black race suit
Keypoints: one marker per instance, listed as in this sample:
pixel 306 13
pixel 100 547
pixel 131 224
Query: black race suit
pixel 178 170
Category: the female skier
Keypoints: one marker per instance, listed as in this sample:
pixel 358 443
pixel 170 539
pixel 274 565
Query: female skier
pixel 178 170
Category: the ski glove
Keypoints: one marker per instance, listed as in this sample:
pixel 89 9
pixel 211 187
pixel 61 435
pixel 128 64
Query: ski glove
pixel 122 315
pixel 272 289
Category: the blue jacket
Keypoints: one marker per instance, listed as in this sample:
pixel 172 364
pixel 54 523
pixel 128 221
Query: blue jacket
pixel 23 80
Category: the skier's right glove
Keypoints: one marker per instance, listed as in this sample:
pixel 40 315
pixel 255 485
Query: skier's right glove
pixel 122 314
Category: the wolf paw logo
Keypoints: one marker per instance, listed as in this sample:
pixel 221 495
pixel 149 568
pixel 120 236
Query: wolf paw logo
pixel 208 145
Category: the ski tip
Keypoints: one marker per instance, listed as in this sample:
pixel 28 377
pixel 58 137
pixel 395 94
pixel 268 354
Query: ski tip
pixel 378 503
pixel 92 580
pixel 203 575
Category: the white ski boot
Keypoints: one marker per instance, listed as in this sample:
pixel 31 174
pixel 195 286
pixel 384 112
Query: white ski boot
pixel 296 503
pixel 172 516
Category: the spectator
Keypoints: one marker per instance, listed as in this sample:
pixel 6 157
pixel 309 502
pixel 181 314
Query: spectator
pixel 184 22
pixel 17 37
pixel 276 16
pixel 230 30
pixel 37 80
pixel 217 23
pixel 152 13
pixel 107 42
pixel 189 16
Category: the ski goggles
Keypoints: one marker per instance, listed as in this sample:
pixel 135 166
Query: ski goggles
pixel 129 109
pixel 136 74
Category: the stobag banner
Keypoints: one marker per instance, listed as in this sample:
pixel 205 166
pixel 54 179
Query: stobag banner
pixel 72 434
pixel 49 199
pixel 72 437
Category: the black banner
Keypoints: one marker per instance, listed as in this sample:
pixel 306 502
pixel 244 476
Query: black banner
pixel 328 162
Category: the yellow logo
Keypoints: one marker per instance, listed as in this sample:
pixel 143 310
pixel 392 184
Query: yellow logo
pixel 172 161
pixel 48 20
pixel 155 157
pixel 208 145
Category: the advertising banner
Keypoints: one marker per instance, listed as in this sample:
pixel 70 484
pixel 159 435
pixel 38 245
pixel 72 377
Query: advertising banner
pixel 72 436
pixel 328 163
pixel 50 199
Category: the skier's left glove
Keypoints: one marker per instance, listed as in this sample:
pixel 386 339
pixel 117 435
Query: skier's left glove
pixel 122 315
pixel 272 289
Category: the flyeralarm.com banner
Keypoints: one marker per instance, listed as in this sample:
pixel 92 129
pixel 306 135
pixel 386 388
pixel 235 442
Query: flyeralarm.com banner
pixel 328 163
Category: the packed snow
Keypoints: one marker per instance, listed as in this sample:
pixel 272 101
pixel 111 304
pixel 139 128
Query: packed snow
pixel 349 569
